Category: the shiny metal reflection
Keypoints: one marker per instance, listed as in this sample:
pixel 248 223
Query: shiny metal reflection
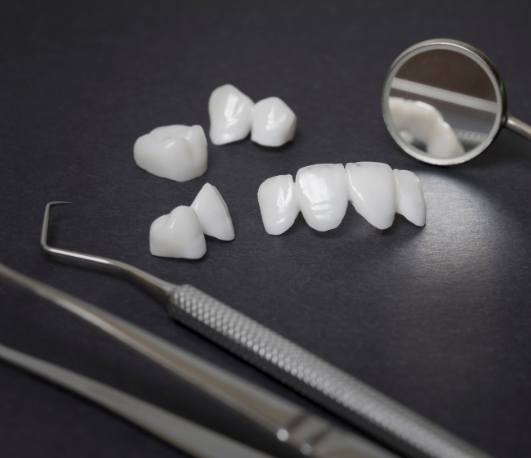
pixel 444 103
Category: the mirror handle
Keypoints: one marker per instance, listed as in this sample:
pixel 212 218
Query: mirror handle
pixel 518 126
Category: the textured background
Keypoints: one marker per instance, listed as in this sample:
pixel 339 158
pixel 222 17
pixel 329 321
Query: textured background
pixel 437 318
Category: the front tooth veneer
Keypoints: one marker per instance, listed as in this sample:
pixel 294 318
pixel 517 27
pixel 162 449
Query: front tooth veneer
pixel 274 123
pixel 176 152
pixel 230 115
pixel 177 235
pixel 371 187
pixel 376 191
pixel 322 195
pixel 278 203
pixel 213 213
pixel 410 197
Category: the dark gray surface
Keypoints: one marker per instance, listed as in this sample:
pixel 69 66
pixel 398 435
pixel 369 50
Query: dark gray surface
pixel 436 318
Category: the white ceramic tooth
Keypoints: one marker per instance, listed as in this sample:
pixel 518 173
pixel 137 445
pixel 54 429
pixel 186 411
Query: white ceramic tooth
pixel 274 123
pixel 278 203
pixel 372 191
pixel 444 142
pixel 417 120
pixel 230 115
pixel 176 152
pixel 322 194
pixel 410 197
pixel 213 213
pixel 177 235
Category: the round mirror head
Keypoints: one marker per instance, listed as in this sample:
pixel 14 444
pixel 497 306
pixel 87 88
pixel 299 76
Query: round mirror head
pixel 443 102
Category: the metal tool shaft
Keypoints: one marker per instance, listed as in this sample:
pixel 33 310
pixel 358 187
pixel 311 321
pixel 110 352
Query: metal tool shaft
pixel 314 377
pixel 310 434
pixel 196 440
pixel 518 126
pixel 339 392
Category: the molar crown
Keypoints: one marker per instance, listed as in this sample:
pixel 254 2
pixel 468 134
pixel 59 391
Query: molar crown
pixel 176 152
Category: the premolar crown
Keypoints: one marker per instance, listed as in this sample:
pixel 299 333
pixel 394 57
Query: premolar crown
pixel 274 123
pixel 322 192
pixel 181 233
pixel 177 235
pixel 176 152
pixel 213 213
pixel 233 115
pixel 230 115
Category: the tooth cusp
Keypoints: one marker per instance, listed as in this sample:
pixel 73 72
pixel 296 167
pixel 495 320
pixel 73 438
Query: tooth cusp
pixel 175 152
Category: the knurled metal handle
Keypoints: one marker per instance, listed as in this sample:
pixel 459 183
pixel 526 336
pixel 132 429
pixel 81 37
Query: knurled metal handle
pixel 319 380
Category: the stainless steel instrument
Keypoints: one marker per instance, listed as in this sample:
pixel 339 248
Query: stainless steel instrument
pixel 354 401
pixel 187 436
pixel 309 434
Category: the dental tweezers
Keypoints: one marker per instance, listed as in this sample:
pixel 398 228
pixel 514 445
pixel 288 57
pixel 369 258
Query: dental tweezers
pixel 308 434
pixel 349 398
pixel 193 439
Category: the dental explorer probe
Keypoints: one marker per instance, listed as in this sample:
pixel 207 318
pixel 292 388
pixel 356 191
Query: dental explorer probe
pixel 349 398
pixel 185 435
pixel 309 434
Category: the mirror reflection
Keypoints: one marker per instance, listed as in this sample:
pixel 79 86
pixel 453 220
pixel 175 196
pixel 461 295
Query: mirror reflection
pixel 443 103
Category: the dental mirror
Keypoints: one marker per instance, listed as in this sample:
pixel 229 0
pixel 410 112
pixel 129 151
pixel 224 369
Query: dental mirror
pixel 444 103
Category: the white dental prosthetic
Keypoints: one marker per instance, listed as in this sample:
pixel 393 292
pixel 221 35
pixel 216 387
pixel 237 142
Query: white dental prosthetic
pixel 371 188
pixel 230 115
pixel 181 233
pixel 278 203
pixel 177 235
pixel 233 115
pixel 274 123
pixel 417 120
pixel 176 152
pixel 322 191
pixel 213 213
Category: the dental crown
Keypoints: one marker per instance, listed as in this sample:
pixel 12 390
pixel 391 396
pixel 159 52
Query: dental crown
pixel 181 233
pixel 233 115
pixel 321 192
